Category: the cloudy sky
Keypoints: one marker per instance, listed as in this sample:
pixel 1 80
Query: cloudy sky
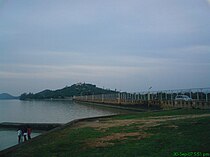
pixel 129 45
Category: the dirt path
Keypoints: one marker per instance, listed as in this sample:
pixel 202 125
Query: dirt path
pixel 143 124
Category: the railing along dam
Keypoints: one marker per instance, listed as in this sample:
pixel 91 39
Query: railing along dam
pixel 182 98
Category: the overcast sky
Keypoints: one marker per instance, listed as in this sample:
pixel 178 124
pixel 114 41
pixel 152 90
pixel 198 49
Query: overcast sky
pixel 129 45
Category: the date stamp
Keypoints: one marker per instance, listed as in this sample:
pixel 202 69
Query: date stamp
pixel 191 154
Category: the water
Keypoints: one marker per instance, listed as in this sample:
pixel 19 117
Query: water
pixel 48 111
pixel 9 138
pixel 44 112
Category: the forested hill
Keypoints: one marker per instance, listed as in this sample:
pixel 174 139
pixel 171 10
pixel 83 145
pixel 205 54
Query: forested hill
pixel 74 90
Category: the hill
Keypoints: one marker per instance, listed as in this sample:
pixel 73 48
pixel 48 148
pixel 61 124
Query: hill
pixel 74 90
pixel 7 96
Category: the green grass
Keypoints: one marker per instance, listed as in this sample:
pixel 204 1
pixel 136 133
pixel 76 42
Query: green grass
pixel 163 113
pixel 190 135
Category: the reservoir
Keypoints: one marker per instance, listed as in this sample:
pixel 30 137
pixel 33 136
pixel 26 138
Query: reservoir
pixel 46 111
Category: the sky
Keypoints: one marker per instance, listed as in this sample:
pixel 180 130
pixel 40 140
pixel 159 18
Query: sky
pixel 118 44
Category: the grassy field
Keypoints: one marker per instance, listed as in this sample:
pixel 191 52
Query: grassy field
pixel 149 134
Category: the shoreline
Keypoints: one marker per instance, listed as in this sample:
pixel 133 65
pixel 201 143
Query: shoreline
pixel 53 127
pixel 94 133
pixel 133 108
pixel 62 126
pixel 35 126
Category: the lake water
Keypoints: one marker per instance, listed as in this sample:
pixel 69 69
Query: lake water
pixel 44 112
pixel 8 138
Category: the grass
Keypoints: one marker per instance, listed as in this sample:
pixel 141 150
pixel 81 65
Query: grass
pixel 163 113
pixel 164 139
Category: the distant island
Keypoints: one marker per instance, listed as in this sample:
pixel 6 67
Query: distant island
pixel 6 96
pixel 68 92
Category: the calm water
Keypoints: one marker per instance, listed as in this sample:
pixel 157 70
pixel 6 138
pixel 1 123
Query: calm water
pixel 44 112
pixel 48 111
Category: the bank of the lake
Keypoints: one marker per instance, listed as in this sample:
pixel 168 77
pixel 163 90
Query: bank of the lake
pixel 43 111
pixel 164 133
pixel 9 137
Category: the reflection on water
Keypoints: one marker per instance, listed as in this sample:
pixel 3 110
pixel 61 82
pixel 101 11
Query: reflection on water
pixel 44 112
